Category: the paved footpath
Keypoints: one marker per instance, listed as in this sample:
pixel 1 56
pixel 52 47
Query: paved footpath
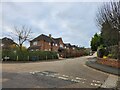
pixel 111 82
pixel 67 73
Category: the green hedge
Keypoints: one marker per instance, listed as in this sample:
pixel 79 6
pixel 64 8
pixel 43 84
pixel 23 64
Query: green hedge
pixel 29 55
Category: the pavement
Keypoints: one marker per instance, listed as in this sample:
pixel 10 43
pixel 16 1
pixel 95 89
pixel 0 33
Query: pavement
pixel 113 78
pixel 65 73
pixel 93 64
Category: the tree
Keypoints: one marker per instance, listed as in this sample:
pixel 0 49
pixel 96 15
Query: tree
pixel 109 35
pixel 22 34
pixel 96 42
pixel 108 19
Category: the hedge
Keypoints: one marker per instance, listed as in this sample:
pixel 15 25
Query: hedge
pixel 29 55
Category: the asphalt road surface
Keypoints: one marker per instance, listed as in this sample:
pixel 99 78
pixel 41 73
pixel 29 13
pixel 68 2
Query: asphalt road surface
pixel 68 73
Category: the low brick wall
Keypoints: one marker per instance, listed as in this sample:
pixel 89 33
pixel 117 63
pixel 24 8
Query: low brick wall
pixel 110 62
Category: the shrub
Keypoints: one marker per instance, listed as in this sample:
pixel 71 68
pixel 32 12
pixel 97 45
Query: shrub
pixel 29 55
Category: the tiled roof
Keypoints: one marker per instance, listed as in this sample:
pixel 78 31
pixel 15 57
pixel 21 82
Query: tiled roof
pixel 7 41
pixel 46 38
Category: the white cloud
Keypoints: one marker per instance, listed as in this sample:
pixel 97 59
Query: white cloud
pixel 56 0
pixel 74 22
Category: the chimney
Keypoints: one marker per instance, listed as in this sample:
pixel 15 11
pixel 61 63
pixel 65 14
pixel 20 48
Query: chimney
pixel 50 35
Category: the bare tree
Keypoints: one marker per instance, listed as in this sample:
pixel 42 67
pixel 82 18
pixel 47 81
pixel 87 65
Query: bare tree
pixel 109 13
pixel 108 19
pixel 22 34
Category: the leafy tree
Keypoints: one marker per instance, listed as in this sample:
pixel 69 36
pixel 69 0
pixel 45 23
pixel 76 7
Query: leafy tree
pixel 96 42
pixel 110 36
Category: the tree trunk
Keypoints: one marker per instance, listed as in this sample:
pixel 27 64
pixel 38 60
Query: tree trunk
pixel 20 47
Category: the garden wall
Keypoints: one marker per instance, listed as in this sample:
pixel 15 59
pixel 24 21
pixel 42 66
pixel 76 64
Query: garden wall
pixel 110 62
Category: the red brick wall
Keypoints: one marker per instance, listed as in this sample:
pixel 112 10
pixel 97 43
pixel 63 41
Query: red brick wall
pixel 109 62
pixel 45 45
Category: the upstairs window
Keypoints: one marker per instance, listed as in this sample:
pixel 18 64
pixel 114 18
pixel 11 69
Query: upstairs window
pixel 35 43
pixel 61 45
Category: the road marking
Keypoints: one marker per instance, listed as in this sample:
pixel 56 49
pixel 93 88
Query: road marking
pixel 83 82
pixel 78 78
pixel 63 78
pixel 32 72
pixel 73 80
pixel 45 72
pixel 68 78
pixel 91 84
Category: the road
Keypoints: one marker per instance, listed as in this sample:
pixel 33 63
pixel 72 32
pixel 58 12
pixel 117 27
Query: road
pixel 68 73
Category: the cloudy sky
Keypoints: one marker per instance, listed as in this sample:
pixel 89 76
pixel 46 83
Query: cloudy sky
pixel 73 21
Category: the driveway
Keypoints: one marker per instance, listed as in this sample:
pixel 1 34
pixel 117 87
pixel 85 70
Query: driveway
pixel 68 73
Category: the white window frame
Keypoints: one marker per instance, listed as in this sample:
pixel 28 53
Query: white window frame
pixel 56 45
pixel 53 44
pixel 35 43
pixel 2 44
pixel 61 45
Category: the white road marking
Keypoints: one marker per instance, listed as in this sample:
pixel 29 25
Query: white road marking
pixel 73 80
pixel 91 84
pixel 78 78
pixel 32 72
pixel 83 82
pixel 98 81
pixel 50 75
pixel 63 78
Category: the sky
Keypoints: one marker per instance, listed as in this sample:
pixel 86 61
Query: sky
pixel 73 21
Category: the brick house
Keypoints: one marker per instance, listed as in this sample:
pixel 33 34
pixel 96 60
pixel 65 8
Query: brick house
pixel 46 43
pixel 6 43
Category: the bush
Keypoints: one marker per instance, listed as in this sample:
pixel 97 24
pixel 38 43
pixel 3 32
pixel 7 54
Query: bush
pixel 29 55
pixel 42 55
pixel 102 51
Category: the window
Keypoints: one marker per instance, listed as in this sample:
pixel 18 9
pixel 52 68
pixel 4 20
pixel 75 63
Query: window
pixel 65 46
pixel 61 45
pixel 55 44
pixel 31 49
pixel 49 49
pixel 46 50
pixel 2 44
pixel 35 43
pixel 49 43
pixel 73 48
